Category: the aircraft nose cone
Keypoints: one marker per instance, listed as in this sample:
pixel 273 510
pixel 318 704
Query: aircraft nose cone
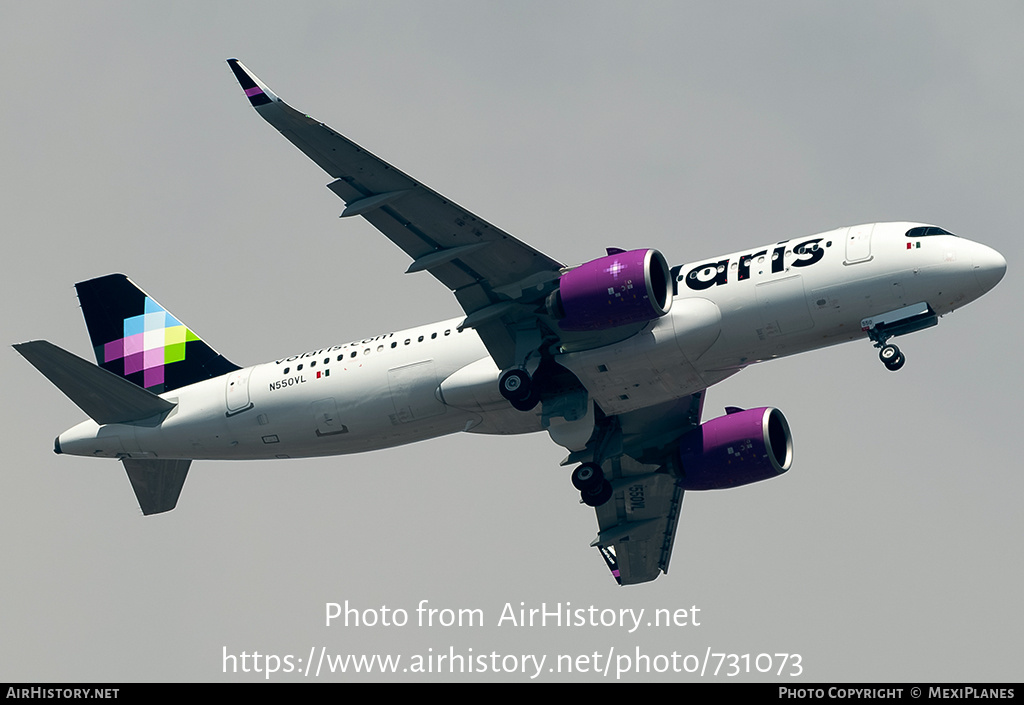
pixel 989 267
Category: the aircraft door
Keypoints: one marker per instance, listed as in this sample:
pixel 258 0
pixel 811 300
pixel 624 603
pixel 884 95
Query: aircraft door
pixel 236 393
pixel 858 243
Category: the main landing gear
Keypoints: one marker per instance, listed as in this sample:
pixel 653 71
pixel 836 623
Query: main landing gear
pixel 517 386
pixel 588 478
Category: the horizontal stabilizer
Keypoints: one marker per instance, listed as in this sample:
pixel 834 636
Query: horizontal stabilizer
pixel 157 482
pixel 104 396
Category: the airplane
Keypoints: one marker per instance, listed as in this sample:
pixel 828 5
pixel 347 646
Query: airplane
pixel 611 357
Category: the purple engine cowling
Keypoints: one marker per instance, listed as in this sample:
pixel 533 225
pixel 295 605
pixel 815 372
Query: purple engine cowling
pixel 736 449
pixel 625 287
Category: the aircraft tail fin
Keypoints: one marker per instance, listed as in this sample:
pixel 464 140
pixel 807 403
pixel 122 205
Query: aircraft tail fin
pixel 136 338
pixel 157 482
pixel 104 396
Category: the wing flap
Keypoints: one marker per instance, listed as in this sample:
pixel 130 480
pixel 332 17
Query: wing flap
pixel 423 223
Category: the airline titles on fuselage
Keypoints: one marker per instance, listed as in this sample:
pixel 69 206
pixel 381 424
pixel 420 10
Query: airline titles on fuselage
pixel 709 274
pixel 699 278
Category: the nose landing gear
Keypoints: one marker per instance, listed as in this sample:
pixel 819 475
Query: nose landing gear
pixel 891 357
pixel 883 326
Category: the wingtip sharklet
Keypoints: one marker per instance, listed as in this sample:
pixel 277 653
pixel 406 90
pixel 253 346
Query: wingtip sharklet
pixel 254 88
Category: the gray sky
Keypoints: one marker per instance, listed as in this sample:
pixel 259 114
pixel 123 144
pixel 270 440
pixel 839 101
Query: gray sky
pixel 891 550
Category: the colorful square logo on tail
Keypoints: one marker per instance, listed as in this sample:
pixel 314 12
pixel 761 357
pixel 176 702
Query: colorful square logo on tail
pixel 151 341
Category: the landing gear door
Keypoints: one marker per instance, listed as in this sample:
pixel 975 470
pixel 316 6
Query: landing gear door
pixel 236 393
pixel 858 244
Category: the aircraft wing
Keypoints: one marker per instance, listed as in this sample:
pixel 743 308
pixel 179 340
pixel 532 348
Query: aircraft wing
pixel 497 279
pixel 637 526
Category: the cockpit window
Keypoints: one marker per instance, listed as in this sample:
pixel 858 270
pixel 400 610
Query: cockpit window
pixel 926 230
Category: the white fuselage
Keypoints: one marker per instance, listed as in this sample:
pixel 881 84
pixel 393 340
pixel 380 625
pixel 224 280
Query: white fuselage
pixel 728 312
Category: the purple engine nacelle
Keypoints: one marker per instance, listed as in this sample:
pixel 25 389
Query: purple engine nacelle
pixel 736 449
pixel 622 288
